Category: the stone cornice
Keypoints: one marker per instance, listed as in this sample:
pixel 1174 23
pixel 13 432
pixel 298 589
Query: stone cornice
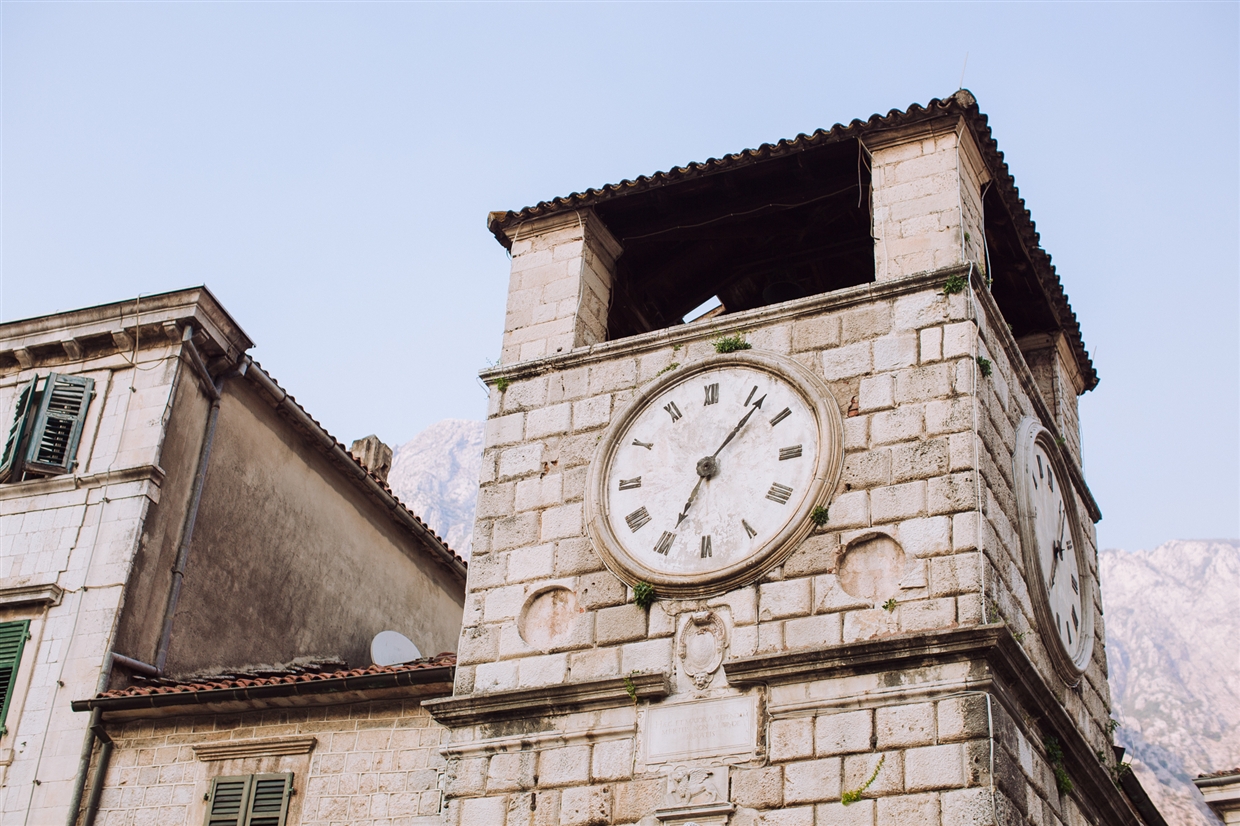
pixel 153 320
pixel 524 703
pixel 999 666
pixel 61 484
pixel 48 594
pixel 262 747
pixel 536 742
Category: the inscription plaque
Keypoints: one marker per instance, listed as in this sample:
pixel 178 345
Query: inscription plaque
pixel 701 729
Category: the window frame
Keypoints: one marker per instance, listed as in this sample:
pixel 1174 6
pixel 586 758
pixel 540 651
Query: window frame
pixel 246 815
pixel 13 638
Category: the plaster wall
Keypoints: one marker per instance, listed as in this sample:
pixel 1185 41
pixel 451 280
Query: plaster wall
pixel 290 560
pixel 67 544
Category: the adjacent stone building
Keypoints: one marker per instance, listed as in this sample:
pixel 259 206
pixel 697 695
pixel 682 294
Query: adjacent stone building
pixel 168 510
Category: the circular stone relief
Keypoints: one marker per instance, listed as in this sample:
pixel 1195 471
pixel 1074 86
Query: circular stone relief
pixel 871 567
pixel 549 617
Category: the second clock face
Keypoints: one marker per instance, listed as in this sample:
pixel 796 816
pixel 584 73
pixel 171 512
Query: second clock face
pixel 1056 549
pixel 711 469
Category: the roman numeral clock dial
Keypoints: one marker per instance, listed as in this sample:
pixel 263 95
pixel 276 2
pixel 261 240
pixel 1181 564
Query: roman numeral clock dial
pixel 708 477
pixel 1057 569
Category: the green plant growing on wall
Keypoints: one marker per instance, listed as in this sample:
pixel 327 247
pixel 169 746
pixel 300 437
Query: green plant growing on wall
pixel 1054 753
pixel 1061 441
pixel 819 515
pixel 643 595
pixel 630 687
pixel 890 605
pixel 850 797
pixel 955 284
pixel 501 384
pixel 668 369
pixel 984 365
pixel 732 343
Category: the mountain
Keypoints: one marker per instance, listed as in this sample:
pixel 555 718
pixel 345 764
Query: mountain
pixel 436 474
pixel 1172 627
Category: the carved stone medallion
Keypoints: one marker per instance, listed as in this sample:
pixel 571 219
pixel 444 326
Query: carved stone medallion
pixel 702 643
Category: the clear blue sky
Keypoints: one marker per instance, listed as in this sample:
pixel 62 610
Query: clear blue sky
pixel 327 168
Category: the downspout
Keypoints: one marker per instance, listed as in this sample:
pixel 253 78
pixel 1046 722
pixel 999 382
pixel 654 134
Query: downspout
pixel 101 769
pixel 213 388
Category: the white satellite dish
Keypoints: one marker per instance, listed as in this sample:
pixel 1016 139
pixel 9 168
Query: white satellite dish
pixel 393 648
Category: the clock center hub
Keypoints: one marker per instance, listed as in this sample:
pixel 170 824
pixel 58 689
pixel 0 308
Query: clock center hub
pixel 708 467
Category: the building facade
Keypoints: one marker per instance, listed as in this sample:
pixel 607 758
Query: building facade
pixel 168 510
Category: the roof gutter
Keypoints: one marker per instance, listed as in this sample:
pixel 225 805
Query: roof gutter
pixel 336 451
pixel 299 688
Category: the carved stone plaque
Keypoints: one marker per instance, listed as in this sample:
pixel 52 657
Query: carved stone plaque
pixel 701 729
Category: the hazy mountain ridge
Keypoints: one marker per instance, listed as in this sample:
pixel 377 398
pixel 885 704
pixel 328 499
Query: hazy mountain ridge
pixel 1173 626
pixel 436 475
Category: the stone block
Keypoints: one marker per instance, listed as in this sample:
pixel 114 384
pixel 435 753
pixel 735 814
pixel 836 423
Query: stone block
pixel 876 393
pixel 960 451
pixel 487 571
pixel 849 510
pixel 503 603
pixel 504 430
pixel 958 339
pixel 949 494
pixel 613 375
pixel 548 421
pixel 520 461
pixel 904 726
pixel 565 766
pixel 844 732
pixel 588 806
pixel 948 416
pixel 858 768
pixel 931 344
pixel 795 816
pixel 526 394
pixel 856 432
pixel 847 361
pixel 869 469
pixel 926 536
pixel 758 788
pixel 812 781
pixel 919 384
pixel 634 800
pixel 647 657
pixel 813 632
pixel 612 760
pixel 922 809
pixel 478 644
pixel 620 623
pixel 548 669
pixel 469 777
pixel 919 460
pixel 562 522
pixel 510 772
pixel 815 333
pixel 789 598
pixel 790 740
pixel 895 351
pixel 967 807
pixel 868 624
pixel 954 575
pixel 592 413
pixel 815 555
pixel 530 563
pixel 536 492
pixel 830 597
pixel 860 813
pixel 895 502
pixel 928 614
pixel 865 322
pixel 934 767
pixel 964 531
pixel 576 556
pixel 594 664
pixel 898 425
pixel 600 589
pixel 483 811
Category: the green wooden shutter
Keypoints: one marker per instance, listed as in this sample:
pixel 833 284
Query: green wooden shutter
pixel 12 640
pixel 269 800
pixel 58 426
pixel 229 797
pixel 10 465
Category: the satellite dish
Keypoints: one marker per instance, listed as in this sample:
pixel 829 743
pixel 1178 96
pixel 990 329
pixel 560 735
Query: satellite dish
pixel 393 648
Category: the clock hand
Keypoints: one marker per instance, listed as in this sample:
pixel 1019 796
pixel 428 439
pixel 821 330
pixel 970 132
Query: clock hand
pixel 740 424
pixel 708 467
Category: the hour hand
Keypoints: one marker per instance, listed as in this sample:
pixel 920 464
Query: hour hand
pixel 692 496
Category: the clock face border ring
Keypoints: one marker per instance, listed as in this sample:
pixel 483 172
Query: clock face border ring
pixel 1070 666
pixel 830 464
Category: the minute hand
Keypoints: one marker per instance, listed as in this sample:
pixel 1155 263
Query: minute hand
pixel 756 405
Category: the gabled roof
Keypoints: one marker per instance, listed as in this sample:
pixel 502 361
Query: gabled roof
pixel 962 104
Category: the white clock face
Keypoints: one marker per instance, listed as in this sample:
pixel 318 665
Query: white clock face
pixel 1059 579
pixel 1056 550
pixel 710 470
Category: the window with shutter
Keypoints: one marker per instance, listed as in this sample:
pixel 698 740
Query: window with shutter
pixel 11 464
pixel 249 800
pixel 13 637
pixel 57 427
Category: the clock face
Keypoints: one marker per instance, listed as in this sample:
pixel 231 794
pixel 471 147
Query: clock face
pixel 712 471
pixel 1059 574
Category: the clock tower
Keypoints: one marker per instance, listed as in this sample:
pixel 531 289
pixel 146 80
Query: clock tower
pixel 782 517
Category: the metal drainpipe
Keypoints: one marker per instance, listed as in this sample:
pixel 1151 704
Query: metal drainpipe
pixel 214 388
pixel 101 770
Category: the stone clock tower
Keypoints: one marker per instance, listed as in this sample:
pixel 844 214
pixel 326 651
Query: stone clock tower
pixel 822 555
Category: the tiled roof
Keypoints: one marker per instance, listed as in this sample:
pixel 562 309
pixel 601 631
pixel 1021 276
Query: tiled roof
pixel 1223 773
pixel 380 482
pixel 962 103
pixel 296 674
